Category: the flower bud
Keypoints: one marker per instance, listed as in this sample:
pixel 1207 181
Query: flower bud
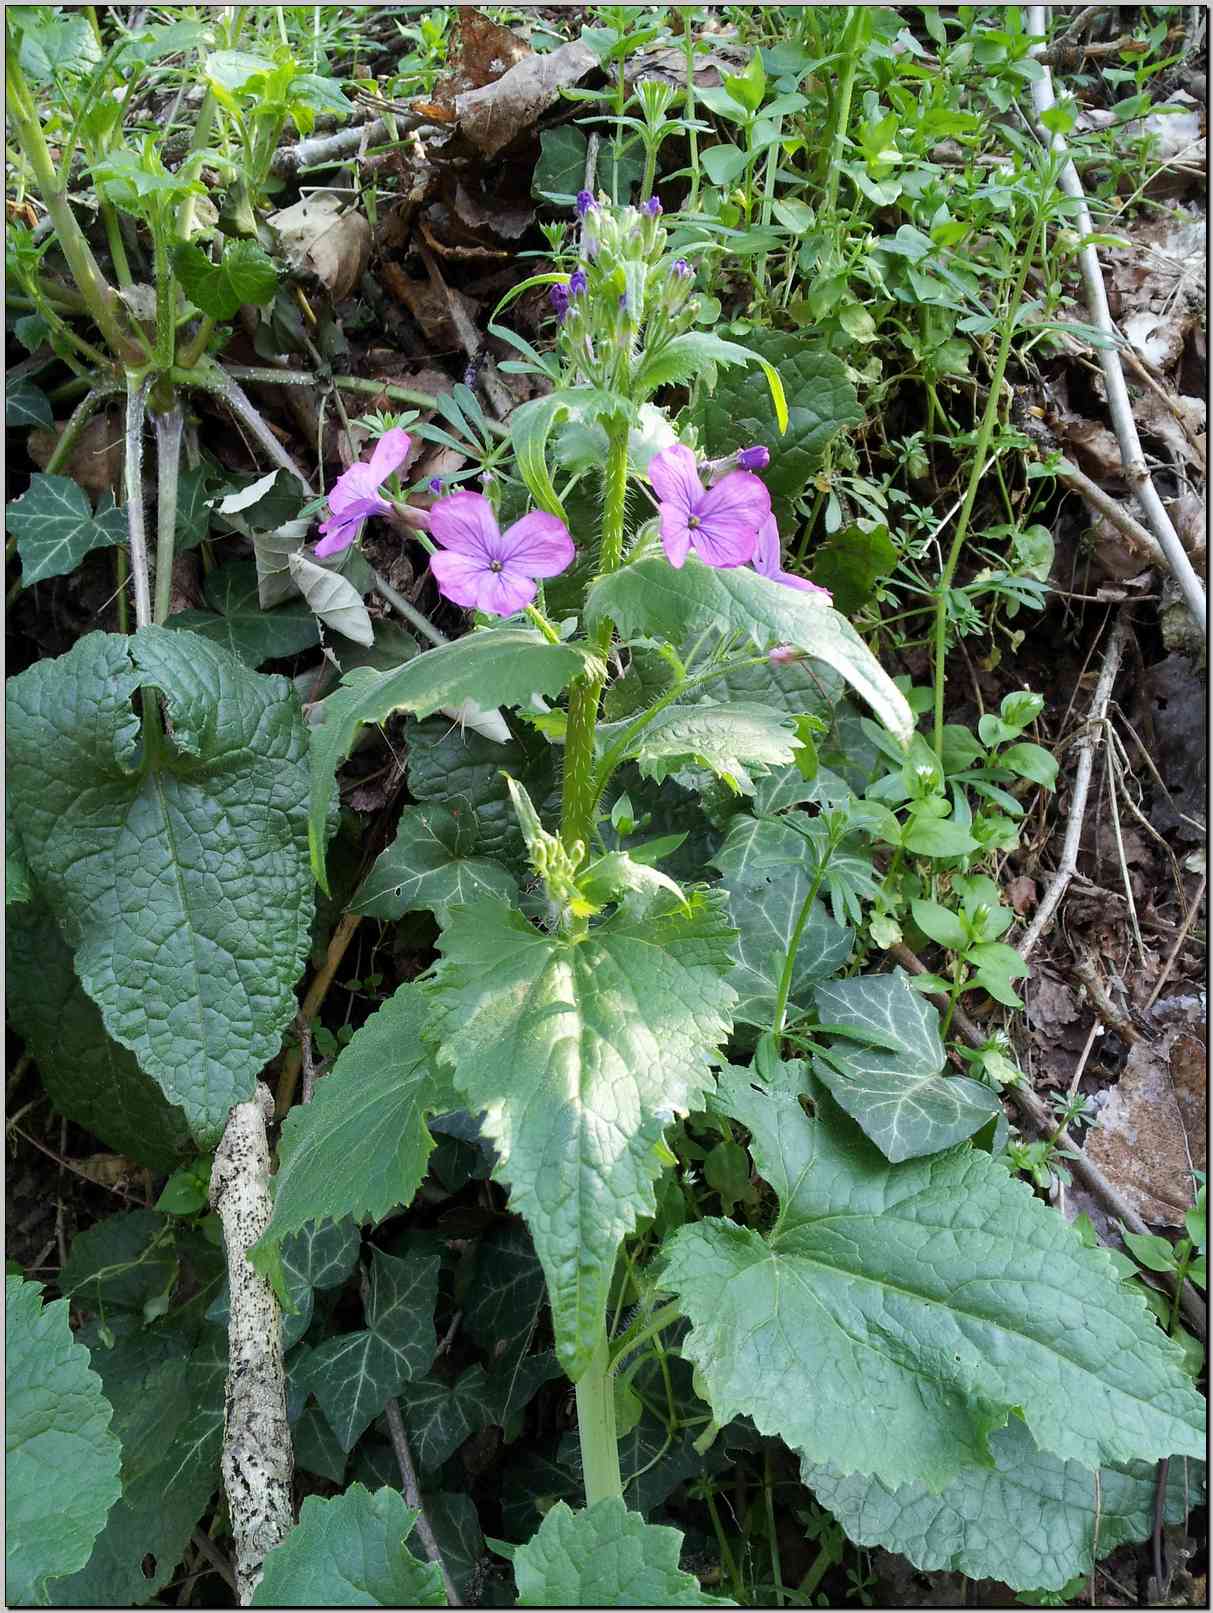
pixel 682 270
pixel 578 282
pixel 653 207
pixel 755 458
pixel 586 203
pixel 558 296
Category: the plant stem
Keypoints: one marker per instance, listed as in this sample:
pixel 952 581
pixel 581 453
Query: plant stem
pixel 215 379
pixel 789 963
pixel 577 809
pixel 688 43
pixel 349 383
pixel 79 419
pixel 410 613
pixel 136 404
pixel 852 39
pixel 985 432
pixel 169 427
pixel 596 1427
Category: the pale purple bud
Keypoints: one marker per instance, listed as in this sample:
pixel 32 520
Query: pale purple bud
pixel 578 282
pixel 755 458
pixel 585 203
pixel 682 270
pixel 783 653
pixel 435 484
pixel 558 296
pixel 653 207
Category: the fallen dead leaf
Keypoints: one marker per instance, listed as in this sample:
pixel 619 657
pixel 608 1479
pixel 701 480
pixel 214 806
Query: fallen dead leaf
pixel 1021 892
pixel 493 117
pixel 480 53
pixel 97 459
pixel 1151 1131
pixel 670 65
pixel 319 236
pixel 429 307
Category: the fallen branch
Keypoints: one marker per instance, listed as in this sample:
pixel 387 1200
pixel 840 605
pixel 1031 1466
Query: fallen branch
pixel 1086 745
pixel 326 148
pixel 1142 542
pixel 258 1459
pixel 1043 1123
pixel 1119 407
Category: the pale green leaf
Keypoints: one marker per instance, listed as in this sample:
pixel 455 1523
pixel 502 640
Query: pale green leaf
pixel 530 426
pixel 236 620
pixel 179 875
pixel 54 525
pixel 896 1087
pixel 360 1147
pixel 61 1459
pixel 350 1551
pixel 333 598
pixel 501 666
pixel 650 597
pixel 580 1049
pixel 1032 1521
pixel 354 1375
pixel 725 738
pixel 605 1556
pixel 898 1314
pixel 431 866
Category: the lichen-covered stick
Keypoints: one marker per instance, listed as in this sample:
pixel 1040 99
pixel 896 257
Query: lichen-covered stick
pixel 258 1461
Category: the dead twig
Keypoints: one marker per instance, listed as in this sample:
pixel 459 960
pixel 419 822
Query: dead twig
pixel 1119 406
pixel 412 1497
pixel 1188 922
pixel 1086 746
pixel 1142 543
pixel 1087 971
pixel 341 938
pixel 469 337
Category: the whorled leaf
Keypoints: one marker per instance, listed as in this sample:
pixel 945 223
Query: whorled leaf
pixel 61 1459
pixel 650 597
pixel 350 1551
pixel 176 866
pixel 897 1315
pixel 500 667
pixel 432 866
pixel 896 1086
pixel 605 1556
pixel 580 1049
pixel 1032 1521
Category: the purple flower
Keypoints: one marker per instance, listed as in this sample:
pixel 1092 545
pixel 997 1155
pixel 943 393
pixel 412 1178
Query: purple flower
pixel 578 282
pixel 653 207
pixel 767 557
pixel 755 458
pixel 355 493
pixel 682 269
pixel 486 568
pixel 585 203
pixel 559 299
pixel 720 523
pixel 435 484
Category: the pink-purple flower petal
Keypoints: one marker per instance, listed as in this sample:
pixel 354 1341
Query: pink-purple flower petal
pixel 729 516
pixel 767 557
pixel 486 569
pixel 538 545
pixel 675 535
pixel 390 453
pixel 674 477
pixel 465 523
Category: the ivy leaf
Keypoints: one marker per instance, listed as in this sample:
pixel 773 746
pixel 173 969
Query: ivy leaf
pixel 897 1090
pixel 897 1315
pixel 580 1050
pixel 121 1263
pixel 444 762
pixel 503 1307
pixel 244 274
pixel 61 1459
pixel 55 527
pixel 333 598
pixel 605 1556
pixel 26 405
pixel 820 399
pixel 439 1416
pixel 850 563
pixel 88 1076
pixel 350 1552
pixel 237 622
pixel 177 871
pixel 650 597
pixel 430 867
pixel 765 913
pixel 722 738
pixel 359 1149
pixel 1032 1521
pixel 501 666
pixel 194 491
pixel 354 1375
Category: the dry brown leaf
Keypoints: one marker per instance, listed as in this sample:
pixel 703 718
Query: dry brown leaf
pixel 1151 1132
pixel 429 307
pixel 493 117
pixel 670 65
pixel 96 460
pixel 481 52
pixel 1021 892
pixel 320 237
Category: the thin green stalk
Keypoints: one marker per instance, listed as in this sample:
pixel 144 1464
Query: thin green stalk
pixel 577 807
pixel 166 296
pixel 348 383
pixel 117 245
pixel 136 405
pixel 852 40
pixel 193 350
pixel 789 963
pixel 984 434
pixel 660 1320
pixel 596 1427
pixel 768 1495
pixel 688 42
pixel 80 417
pixel 169 426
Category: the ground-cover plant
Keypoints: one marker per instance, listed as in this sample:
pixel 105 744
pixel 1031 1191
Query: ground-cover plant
pixel 753 1208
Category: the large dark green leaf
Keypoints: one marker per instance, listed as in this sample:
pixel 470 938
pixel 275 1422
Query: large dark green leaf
pixel 605 1556
pixel 432 866
pixel 235 619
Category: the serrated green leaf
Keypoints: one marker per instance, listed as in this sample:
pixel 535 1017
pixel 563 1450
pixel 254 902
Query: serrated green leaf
pixel 431 866
pixel 499 667
pixel 190 954
pixel 650 597
pixel 897 1090
pixel 61 1459
pixel 580 1050
pixel 724 738
pixel 54 46
pixel 820 403
pixel 350 1552
pixel 26 405
pixel 244 274
pixel 1032 1521
pixel 354 1375
pixel 685 356
pixel 360 1147
pixel 88 1076
pixel 605 1556
pixel 237 621
pixel 897 1315
pixel 55 527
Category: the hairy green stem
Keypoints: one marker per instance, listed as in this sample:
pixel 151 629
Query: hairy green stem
pixel 136 405
pixel 577 807
pixel 214 379
pixel 981 448
pixel 596 1427
pixel 169 427
pixel 80 417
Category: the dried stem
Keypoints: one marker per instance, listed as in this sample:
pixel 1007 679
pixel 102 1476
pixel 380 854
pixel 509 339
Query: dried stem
pixel 1142 542
pixel 169 427
pixel 412 1496
pixel 1188 922
pixel 341 938
pixel 136 525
